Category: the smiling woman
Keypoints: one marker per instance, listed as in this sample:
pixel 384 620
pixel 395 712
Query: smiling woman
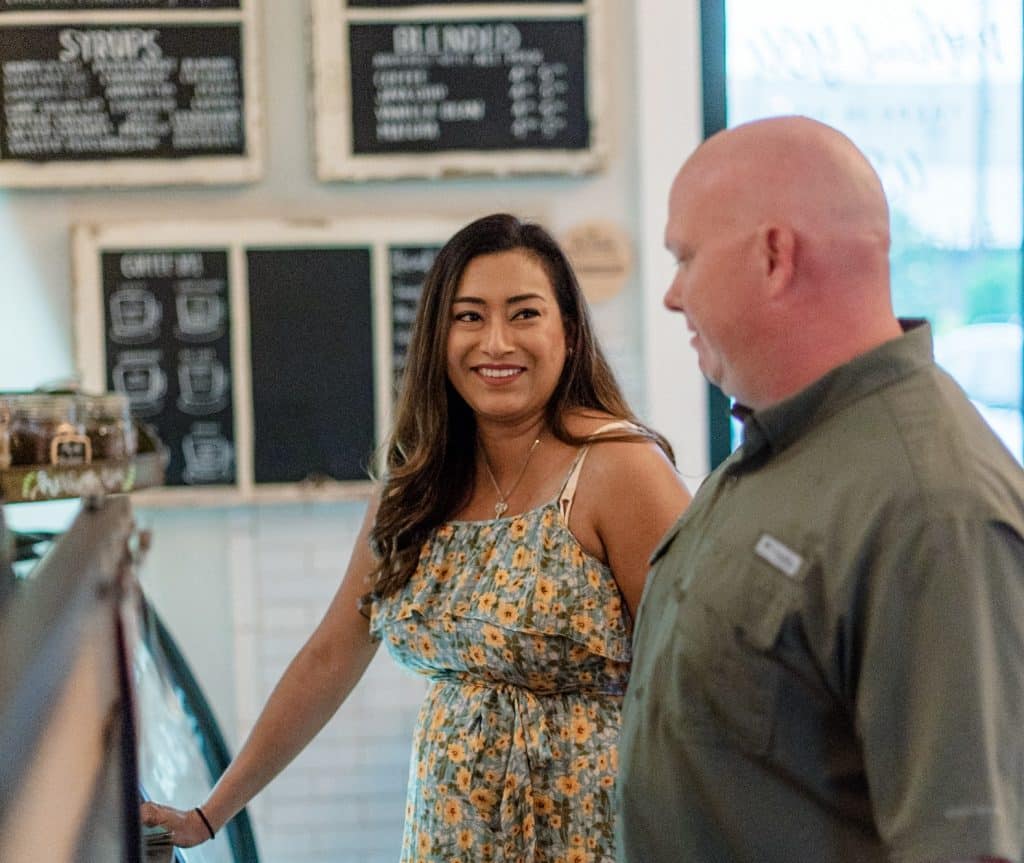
pixel 503 558
pixel 511 591
pixel 506 345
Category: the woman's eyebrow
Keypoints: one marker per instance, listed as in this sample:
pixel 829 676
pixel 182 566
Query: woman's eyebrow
pixel 518 298
pixel 524 298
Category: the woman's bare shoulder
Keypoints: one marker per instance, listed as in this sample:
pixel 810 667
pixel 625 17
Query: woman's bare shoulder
pixel 623 461
pixel 592 423
pixel 622 454
pixel 583 423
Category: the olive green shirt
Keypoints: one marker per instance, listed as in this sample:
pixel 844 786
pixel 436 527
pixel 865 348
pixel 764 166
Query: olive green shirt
pixel 829 655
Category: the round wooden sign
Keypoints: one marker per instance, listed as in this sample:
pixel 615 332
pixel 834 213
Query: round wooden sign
pixel 602 256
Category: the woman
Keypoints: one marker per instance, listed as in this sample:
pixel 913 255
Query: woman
pixel 520 503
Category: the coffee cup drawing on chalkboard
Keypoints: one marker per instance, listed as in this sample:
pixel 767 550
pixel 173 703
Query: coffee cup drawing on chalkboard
pixel 134 315
pixel 140 377
pixel 208 455
pixel 201 315
pixel 203 383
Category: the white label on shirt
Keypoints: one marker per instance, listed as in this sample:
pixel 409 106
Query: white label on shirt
pixel 778 555
pixel 968 811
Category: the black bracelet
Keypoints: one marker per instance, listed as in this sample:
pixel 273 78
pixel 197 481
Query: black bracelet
pixel 205 820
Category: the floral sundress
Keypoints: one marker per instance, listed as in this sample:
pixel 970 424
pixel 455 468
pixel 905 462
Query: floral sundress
pixel 526 641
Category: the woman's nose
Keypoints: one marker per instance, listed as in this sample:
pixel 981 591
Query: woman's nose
pixel 497 341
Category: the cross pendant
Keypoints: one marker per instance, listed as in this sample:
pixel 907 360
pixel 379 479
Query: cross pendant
pixel 499 508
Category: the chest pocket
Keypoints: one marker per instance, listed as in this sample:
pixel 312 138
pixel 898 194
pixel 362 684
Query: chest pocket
pixel 732 609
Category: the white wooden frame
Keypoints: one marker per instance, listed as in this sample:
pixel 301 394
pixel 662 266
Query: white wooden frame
pixel 142 171
pixel 331 97
pixel 89 241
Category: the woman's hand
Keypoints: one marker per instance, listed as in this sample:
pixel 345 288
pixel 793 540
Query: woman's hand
pixel 185 827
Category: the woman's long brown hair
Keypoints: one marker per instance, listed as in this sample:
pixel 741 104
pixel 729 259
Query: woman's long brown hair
pixel 430 457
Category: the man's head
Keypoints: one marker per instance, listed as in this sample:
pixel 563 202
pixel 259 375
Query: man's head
pixel 781 232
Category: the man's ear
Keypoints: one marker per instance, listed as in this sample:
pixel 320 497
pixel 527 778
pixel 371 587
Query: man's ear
pixel 776 245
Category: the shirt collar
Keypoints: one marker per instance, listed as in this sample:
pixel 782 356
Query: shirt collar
pixel 776 427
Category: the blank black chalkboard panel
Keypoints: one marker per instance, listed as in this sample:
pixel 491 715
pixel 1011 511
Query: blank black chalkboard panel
pixel 479 85
pixel 81 92
pixel 311 336
pixel 91 5
pixel 167 342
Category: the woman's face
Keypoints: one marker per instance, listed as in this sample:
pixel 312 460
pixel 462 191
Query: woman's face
pixel 506 342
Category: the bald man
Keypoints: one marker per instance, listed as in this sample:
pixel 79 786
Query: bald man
pixel 829 654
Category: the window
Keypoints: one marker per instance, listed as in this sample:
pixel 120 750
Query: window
pixel 931 91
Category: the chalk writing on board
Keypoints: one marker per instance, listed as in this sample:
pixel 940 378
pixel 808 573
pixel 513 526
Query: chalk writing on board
pixel 102 5
pixel 86 92
pixel 168 348
pixel 391 4
pixel 408 266
pixel 469 85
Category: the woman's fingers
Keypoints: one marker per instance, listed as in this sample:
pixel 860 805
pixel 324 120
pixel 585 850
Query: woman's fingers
pixel 152 815
pixel 184 827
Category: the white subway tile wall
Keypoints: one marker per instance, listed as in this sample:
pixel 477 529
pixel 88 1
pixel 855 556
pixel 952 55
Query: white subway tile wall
pixel 344 797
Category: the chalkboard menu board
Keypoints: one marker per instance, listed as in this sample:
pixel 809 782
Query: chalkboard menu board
pixel 388 4
pixel 427 91
pixel 408 268
pixel 62 5
pixel 263 353
pixel 525 91
pixel 168 348
pixel 93 99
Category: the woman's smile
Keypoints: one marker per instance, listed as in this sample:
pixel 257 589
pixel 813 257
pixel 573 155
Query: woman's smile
pixel 499 374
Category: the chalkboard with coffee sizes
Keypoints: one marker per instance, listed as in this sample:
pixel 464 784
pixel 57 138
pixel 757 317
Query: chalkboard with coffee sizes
pixel 167 343
pixel 430 90
pixel 264 353
pixel 137 92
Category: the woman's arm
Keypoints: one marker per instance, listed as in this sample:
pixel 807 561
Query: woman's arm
pixel 310 691
pixel 629 496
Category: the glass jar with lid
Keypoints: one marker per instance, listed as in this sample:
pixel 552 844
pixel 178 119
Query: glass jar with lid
pixel 46 430
pixel 108 425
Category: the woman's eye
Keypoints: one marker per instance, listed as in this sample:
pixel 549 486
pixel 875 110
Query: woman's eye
pixel 467 317
pixel 526 313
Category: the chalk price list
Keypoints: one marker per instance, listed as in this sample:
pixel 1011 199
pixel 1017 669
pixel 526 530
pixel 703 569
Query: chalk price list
pixel 537 93
pixel 468 85
pixel 82 93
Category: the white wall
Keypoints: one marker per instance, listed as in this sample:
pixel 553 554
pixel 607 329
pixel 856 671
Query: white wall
pixel 241 587
pixel 669 125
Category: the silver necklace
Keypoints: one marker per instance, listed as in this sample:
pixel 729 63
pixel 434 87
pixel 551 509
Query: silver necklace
pixel 502 505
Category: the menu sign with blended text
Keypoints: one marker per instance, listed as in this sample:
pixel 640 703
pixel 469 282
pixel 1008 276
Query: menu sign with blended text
pixel 482 85
pixel 390 4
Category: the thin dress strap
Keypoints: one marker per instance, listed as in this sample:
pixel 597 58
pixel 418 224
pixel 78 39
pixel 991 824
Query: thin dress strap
pixel 568 492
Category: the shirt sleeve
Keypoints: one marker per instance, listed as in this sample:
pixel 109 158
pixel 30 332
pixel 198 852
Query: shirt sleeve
pixel 939 701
